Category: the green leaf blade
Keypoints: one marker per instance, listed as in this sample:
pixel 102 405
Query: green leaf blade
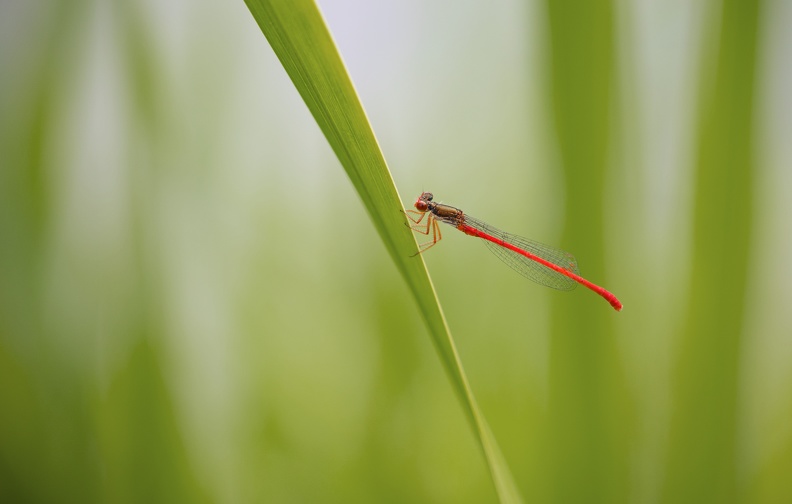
pixel 304 46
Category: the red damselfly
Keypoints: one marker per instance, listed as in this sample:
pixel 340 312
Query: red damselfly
pixel 542 264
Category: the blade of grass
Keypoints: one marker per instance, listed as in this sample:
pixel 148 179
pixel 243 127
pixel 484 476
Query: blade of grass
pixel 298 35
pixel 703 456
pixel 589 415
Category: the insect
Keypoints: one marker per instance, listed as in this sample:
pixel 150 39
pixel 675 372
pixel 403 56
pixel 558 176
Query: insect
pixel 541 263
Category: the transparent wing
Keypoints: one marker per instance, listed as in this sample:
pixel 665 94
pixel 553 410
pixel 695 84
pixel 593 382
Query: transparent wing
pixel 529 268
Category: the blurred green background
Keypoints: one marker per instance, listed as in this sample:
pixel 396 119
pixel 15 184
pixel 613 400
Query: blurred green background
pixel 194 306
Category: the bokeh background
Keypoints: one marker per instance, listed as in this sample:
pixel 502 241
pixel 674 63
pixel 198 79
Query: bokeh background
pixel 194 306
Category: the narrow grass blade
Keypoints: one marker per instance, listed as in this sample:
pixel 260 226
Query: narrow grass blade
pixel 703 457
pixel 587 452
pixel 298 35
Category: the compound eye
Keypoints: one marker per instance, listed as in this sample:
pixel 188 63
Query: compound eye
pixel 421 205
pixel 428 196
